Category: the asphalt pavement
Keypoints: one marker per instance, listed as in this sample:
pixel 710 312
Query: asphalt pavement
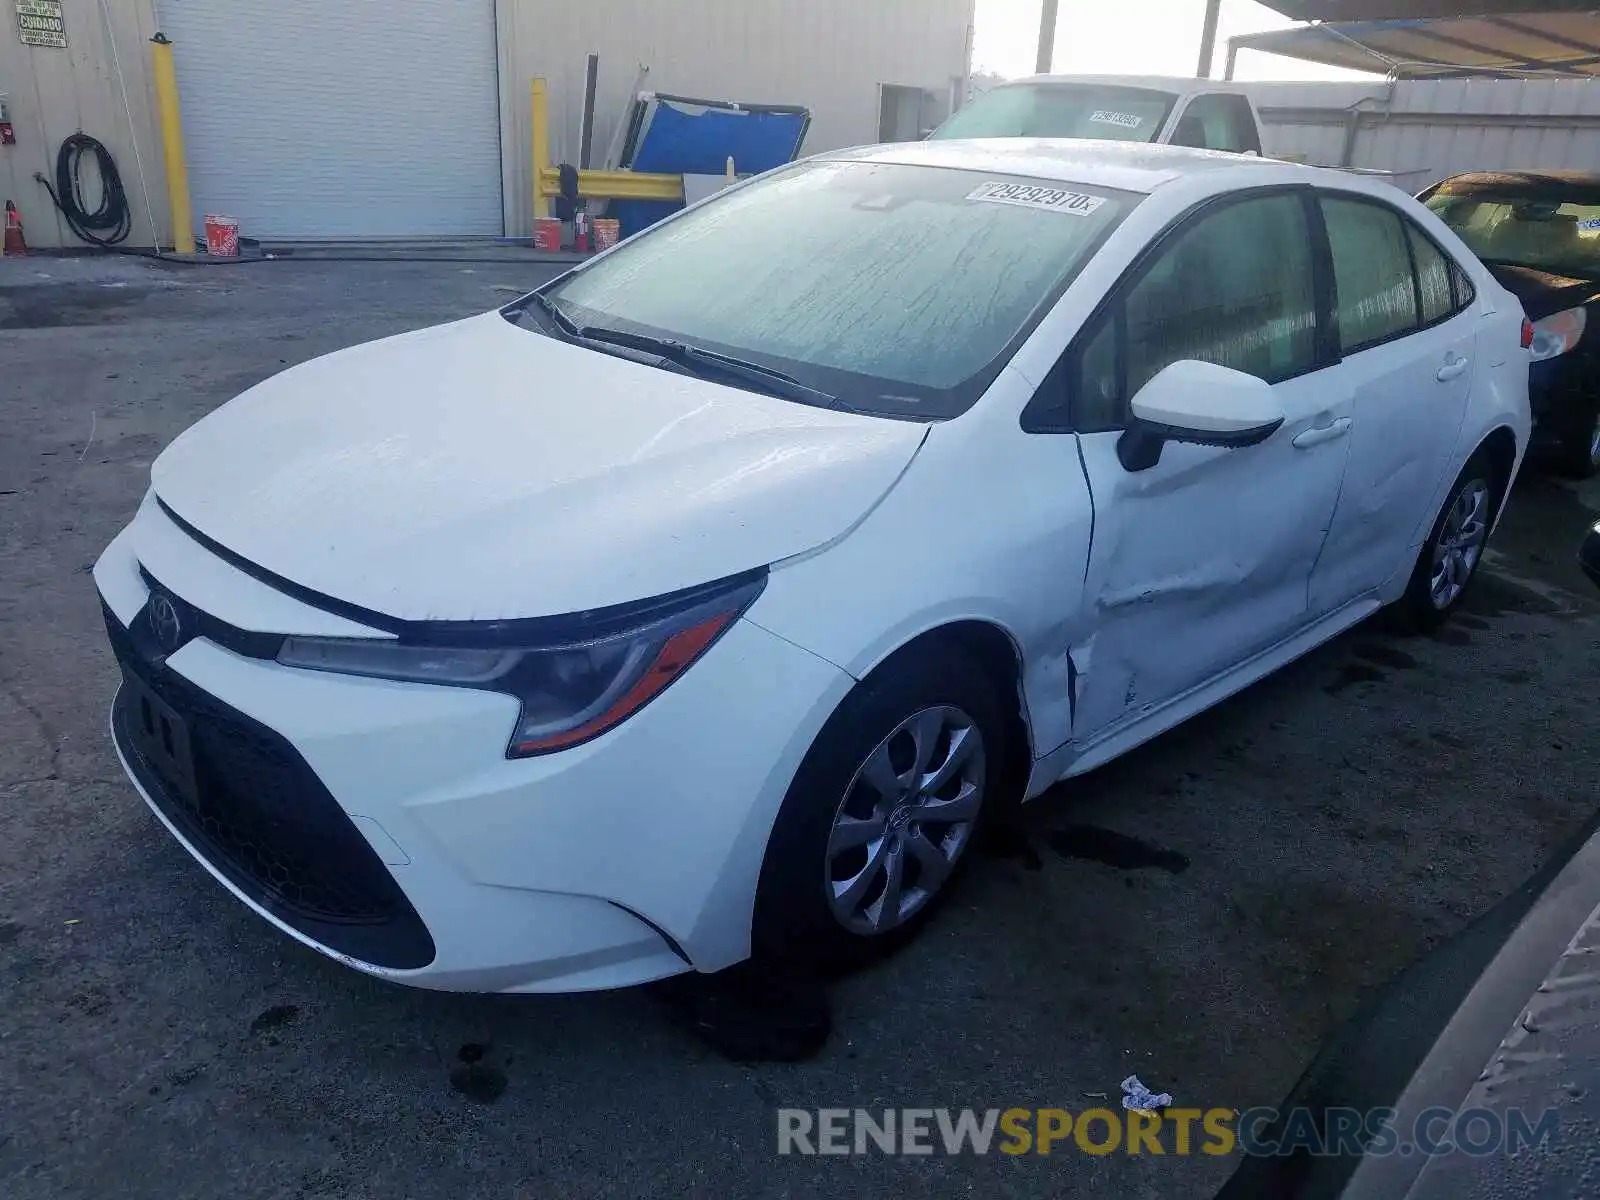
pixel 1202 912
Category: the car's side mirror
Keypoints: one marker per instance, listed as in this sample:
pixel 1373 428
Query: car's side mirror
pixel 1201 403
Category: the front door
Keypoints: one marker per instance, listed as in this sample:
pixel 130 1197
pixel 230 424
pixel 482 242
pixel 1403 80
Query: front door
pixel 1204 559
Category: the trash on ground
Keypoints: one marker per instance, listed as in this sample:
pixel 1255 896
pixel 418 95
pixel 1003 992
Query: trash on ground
pixel 1136 1096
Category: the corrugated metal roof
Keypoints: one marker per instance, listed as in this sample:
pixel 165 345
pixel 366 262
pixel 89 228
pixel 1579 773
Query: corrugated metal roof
pixel 1369 10
pixel 1560 43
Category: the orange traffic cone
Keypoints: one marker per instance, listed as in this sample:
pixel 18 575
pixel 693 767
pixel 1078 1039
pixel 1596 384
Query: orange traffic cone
pixel 14 243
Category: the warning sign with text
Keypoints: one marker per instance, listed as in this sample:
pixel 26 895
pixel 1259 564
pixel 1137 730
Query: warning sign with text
pixel 39 23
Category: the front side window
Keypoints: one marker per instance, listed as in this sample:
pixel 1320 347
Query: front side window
pixel 1235 287
pixel 1062 110
pixel 1371 272
pixel 1218 122
pixel 901 290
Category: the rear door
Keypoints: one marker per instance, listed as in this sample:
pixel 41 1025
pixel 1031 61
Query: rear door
pixel 1204 559
pixel 1408 340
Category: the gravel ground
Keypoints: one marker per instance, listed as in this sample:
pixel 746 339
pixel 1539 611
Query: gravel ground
pixel 1302 842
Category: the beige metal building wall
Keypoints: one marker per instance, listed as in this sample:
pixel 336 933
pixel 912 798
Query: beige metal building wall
pixel 54 93
pixel 829 55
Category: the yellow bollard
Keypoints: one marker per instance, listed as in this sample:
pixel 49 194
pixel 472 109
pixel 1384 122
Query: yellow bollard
pixel 540 116
pixel 166 80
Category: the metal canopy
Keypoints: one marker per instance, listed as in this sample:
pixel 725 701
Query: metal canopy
pixel 1377 10
pixel 1508 42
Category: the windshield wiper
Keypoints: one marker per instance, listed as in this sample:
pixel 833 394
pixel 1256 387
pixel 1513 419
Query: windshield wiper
pixel 702 361
pixel 553 311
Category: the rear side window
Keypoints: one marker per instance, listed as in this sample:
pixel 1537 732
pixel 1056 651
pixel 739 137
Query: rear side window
pixel 1371 271
pixel 1234 287
pixel 1433 277
pixel 1461 288
pixel 1218 122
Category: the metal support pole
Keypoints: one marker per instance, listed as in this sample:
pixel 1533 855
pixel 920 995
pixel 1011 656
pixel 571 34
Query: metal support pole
pixel 166 81
pixel 1208 39
pixel 591 80
pixel 539 115
pixel 1047 36
pixel 1233 59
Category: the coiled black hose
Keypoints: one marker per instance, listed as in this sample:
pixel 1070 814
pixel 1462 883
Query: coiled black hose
pixel 107 225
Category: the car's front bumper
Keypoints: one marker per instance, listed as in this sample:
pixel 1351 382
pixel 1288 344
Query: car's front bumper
pixel 382 824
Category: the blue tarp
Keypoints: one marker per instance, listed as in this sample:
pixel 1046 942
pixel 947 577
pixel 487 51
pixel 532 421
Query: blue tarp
pixel 677 136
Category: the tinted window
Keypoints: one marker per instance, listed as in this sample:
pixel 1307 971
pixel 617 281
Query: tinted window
pixel 1525 226
pixel 1078 110
pixel 900 289
pixel 1099 393
pixel 1433 277
pixel 1233 288
pixel 1371 271
pixel 1217 122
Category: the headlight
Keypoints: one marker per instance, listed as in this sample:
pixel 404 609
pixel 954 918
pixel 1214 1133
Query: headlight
pixel 1558 333
pixel 570 691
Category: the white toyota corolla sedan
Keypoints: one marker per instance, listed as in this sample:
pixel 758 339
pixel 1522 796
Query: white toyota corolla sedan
pixel 702 603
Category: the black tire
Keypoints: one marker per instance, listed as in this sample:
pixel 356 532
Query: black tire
pixel 1418 609
pixel 1579 457
pixel 794 921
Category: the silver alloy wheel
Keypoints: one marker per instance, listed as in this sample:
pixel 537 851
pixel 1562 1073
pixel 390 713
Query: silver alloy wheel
pixel 1460 542
pixel 905 819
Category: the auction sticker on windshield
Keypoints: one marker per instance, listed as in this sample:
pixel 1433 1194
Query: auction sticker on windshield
pixel 1107 117
pixel 1033 196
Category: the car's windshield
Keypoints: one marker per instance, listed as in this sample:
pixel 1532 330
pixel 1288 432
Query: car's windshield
pixel 1524 227
pixel 900 290
pixel 1065 110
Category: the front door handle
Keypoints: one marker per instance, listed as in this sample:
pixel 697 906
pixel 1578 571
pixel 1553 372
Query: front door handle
pixel 1452 369
pixel 1322 433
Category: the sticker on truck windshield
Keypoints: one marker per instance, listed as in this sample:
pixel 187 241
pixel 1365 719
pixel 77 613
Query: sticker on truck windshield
pixel 1106 117
pixel 1032 196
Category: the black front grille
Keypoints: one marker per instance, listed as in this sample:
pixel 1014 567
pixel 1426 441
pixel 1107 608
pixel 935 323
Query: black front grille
pixel 260 816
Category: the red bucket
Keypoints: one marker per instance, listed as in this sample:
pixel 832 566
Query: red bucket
pixel 222 236
pixel 547 235
pixel 607 230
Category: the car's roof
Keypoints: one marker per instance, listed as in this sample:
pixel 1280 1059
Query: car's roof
pixel 1127 166
pixel 1532 178
pixel 1176 84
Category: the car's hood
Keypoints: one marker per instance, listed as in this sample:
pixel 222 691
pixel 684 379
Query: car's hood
pixel 1543 292
pixel 481 471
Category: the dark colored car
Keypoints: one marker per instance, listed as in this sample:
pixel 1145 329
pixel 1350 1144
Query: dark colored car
pixel 1538 232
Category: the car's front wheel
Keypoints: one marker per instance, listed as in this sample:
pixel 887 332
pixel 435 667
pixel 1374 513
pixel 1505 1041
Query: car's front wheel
pixel 882 812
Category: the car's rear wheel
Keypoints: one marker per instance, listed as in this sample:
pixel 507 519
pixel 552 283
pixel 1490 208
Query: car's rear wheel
pixel 881 814
pixel 1450 557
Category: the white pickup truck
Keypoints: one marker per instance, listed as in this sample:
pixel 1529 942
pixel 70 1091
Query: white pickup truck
pixel 1127 108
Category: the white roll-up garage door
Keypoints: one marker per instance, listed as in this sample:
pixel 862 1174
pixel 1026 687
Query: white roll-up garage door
pixel 346 119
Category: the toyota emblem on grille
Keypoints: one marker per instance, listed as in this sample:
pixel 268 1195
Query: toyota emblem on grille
pixel 165 622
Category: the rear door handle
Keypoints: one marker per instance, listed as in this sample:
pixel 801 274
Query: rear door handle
pixel 1322 433
pixel 1452 369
